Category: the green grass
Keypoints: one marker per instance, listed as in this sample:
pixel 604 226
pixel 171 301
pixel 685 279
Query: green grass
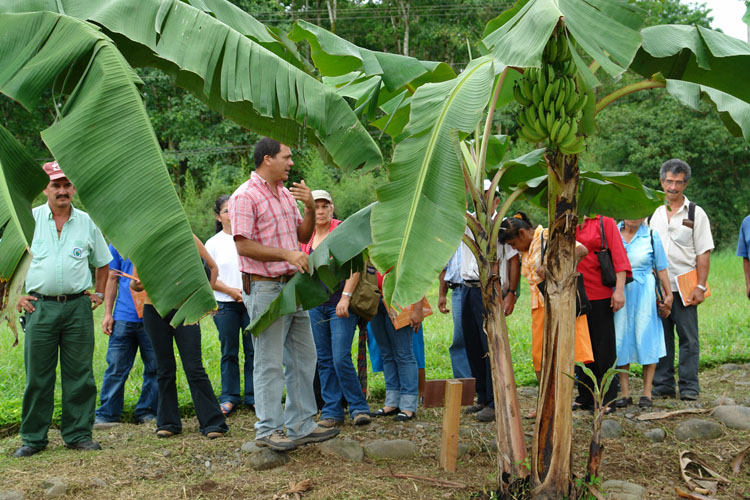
pixel 724 326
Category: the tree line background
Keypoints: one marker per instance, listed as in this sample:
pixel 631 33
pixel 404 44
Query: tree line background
pixel 208 155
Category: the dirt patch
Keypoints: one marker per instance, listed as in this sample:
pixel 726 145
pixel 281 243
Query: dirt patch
pixel 135 464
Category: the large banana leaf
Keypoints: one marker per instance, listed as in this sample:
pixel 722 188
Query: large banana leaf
pixel 21 176
pixel 606 30
pixel 334 56
pixel 230 72
pixel 620 195
pixel 734 112
pixel 330 263
pixel 374 79
pixel 419 221
pixel 272 39
pixel 696 61
pixel 104 142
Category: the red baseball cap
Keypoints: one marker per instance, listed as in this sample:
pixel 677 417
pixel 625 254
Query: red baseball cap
pixel 53 170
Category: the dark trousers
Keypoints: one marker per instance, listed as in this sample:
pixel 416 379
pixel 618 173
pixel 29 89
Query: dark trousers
pixel 472 322
pixel 685 319
pixel 65 329
pixel 601 321
pixel 188 340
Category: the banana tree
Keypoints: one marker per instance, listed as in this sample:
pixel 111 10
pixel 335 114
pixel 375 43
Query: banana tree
pixel 83 54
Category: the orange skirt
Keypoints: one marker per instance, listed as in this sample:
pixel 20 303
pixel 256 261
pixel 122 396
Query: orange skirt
pixel 583 353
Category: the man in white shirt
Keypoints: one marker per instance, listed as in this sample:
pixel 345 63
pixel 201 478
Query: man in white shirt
pixel 686 233
pixel 472 321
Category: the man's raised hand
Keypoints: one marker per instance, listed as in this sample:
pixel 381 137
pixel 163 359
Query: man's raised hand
pixel 302 193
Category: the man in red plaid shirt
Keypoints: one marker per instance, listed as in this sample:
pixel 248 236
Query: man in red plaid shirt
pixel 267 229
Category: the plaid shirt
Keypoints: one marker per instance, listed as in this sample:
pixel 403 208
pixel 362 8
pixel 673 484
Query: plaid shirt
pixel 258 215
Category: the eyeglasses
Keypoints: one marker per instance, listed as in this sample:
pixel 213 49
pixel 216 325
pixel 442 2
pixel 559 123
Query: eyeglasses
pixel 672 182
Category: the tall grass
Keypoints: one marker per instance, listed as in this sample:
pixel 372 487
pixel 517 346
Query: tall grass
pixel 724 326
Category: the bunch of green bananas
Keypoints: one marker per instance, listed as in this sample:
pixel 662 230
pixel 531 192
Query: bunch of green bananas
pixel 551 103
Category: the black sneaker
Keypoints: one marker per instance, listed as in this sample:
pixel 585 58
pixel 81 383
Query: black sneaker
pixel 84 446
pixel 623 402
pixel 26 451
pixel 689 396
pixel 645 402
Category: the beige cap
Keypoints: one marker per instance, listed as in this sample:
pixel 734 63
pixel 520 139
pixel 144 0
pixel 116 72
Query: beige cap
pixel 320 194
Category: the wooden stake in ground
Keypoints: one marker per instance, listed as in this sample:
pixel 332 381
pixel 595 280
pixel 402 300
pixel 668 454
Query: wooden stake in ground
pixel 451 418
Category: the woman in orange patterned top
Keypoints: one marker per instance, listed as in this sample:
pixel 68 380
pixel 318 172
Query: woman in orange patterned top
pixel 518 232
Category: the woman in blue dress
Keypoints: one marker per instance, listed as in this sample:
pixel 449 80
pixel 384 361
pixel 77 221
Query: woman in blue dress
pixel 639 331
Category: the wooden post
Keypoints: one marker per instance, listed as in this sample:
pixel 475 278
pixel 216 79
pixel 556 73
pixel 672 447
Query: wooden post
pixel 451 417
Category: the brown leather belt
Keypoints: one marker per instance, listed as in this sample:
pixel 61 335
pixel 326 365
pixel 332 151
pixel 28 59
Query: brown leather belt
pixel 248 278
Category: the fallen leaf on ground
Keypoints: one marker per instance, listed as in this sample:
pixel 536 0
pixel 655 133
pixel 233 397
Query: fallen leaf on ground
pixel 666 414
pixel 698 475
pixel 737 461
pixel 693 496
pixel 293 493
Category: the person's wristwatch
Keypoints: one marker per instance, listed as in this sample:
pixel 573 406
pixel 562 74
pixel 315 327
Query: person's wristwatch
pixel 701 287
pixel 100 295
pixel 347 294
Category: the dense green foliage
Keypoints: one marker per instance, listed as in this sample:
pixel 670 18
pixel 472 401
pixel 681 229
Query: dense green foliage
pixel 208 155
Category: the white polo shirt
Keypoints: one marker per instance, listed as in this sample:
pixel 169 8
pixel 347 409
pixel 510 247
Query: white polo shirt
pixel 682 243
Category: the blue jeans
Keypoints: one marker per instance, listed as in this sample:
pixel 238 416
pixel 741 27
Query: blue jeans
pixel 127 337
pixel 333 343
pixel 399 364
pixel 284 354
pixel 457 350
pixel 231 320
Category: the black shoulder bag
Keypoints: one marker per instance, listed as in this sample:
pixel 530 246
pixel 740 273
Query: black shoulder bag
pixel 609 277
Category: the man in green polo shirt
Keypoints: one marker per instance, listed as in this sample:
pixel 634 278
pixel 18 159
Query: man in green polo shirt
pixel 59 318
